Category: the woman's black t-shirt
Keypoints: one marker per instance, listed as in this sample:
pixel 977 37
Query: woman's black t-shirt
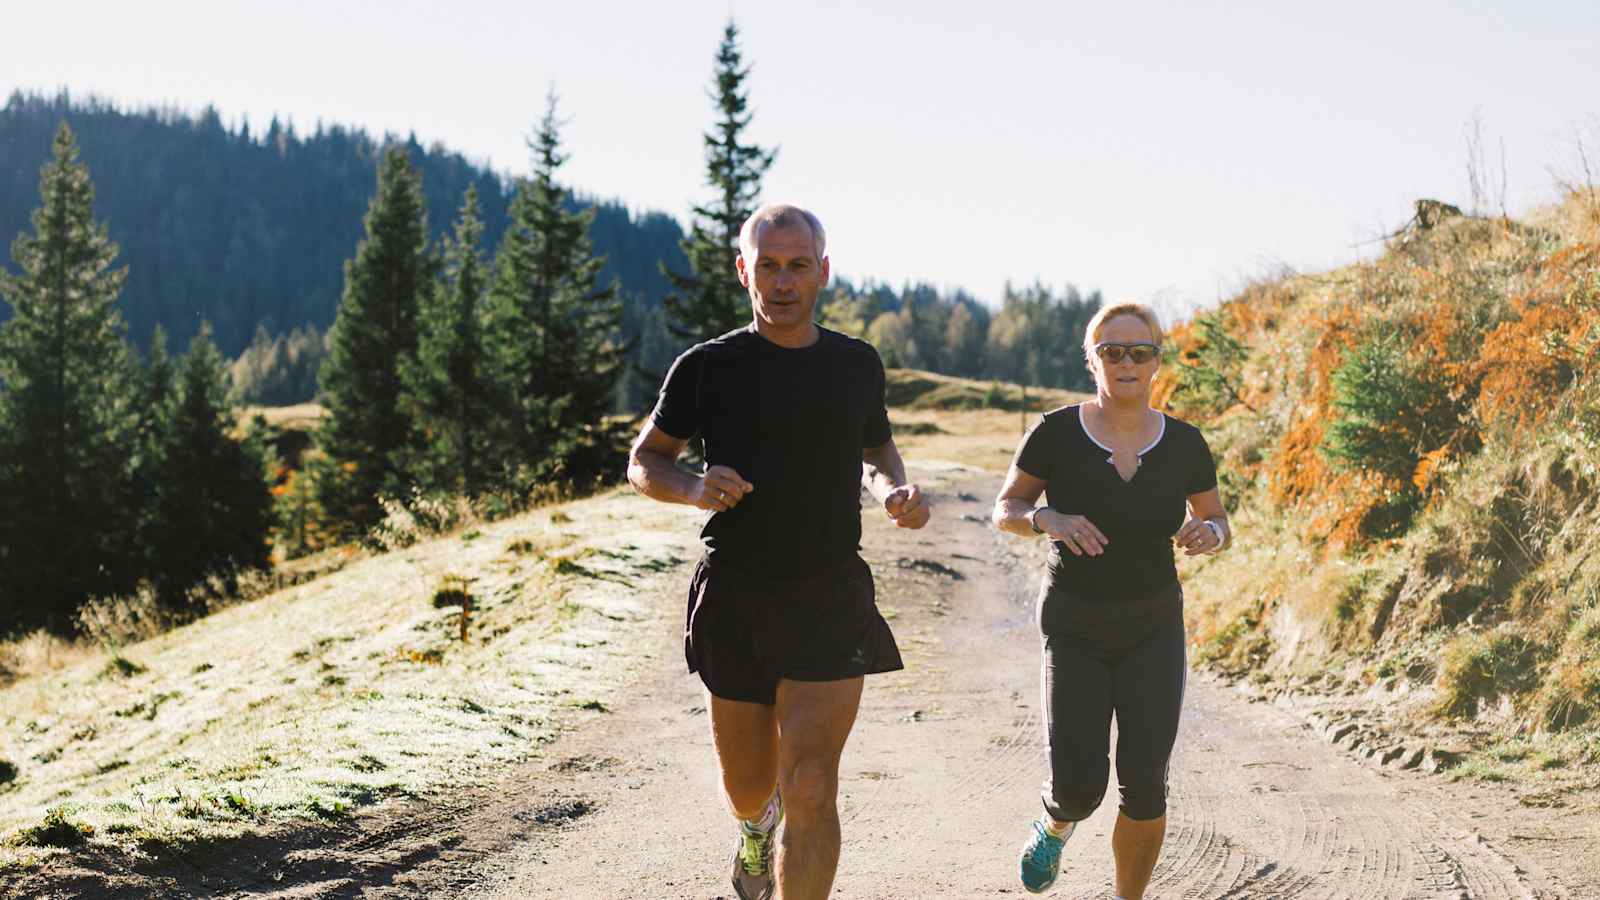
pixel 791 421
pixel 1138 516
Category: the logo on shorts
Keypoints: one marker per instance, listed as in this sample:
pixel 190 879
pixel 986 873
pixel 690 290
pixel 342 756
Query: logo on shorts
pixel 858 658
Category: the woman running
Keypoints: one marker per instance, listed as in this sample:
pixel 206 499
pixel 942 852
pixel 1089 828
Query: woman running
pixel 1124 484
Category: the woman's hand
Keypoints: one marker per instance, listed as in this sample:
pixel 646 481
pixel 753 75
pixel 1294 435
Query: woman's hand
pixel 1198 536
pixel 1079 534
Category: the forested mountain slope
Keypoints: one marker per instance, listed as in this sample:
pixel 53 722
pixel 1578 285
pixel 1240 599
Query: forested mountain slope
pixel 252 230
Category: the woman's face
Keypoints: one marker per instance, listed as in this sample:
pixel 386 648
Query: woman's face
pixel 1125 379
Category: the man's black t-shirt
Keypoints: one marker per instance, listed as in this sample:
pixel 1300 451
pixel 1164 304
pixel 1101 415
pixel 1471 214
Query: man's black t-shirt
pixel 792 422
pixel 1138 516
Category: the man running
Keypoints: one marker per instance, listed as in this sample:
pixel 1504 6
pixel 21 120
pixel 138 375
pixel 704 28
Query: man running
pixel 782 621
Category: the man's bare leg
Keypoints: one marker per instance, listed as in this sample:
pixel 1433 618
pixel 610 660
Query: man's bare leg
pixel 746 738
pixel 814 721
pixel 1136 846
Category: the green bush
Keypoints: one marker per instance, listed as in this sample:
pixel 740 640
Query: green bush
pixel 1209 376
pixel 1571 694
pixel 1388 411
pixel 1480 667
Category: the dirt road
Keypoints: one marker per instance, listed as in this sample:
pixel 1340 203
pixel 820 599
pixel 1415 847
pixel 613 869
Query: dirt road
pixel 939 781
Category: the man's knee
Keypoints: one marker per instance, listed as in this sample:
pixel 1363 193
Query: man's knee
pixel 1072 802
pixel 810 786
pixel 1144 800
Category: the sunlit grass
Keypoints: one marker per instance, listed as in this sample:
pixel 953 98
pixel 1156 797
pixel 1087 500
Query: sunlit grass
pixel 342 692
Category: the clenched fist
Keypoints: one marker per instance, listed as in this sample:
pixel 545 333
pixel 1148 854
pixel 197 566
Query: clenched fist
pixel 907 506
pixel 720 489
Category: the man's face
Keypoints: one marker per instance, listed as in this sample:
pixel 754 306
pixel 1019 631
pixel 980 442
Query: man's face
pixel 783 275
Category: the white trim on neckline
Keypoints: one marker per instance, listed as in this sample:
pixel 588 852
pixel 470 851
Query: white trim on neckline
pixel 1082 423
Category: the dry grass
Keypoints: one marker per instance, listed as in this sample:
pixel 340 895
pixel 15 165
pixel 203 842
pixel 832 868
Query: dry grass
pixel 301 417
pixel 39 653
pixel 911 389
pixel 338 692
pixel 939 418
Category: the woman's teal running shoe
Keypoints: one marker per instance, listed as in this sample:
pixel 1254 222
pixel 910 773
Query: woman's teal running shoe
pixel 1041 858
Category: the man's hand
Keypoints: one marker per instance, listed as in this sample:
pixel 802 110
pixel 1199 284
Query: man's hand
pixel 720 489
pixel 907 506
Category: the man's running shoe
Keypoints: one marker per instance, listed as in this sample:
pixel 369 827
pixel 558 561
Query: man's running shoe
pixel 752 859
pixel 1041 858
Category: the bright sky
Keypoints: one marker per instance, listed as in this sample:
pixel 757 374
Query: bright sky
pixel 1159 151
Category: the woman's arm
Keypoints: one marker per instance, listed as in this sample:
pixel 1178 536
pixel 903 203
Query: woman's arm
pixel 1197 537
pixel 1015 512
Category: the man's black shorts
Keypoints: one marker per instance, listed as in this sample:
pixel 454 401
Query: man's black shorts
pixel 745 631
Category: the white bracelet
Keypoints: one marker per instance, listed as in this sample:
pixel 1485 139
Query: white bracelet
pixel 1216 530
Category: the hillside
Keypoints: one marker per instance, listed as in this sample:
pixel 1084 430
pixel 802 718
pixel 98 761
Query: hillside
pixel 1411 448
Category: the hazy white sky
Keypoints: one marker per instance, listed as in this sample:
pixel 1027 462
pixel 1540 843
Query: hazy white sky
pixel 1161 151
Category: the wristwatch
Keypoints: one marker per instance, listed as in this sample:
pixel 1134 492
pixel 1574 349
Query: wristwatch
pixel 1033 519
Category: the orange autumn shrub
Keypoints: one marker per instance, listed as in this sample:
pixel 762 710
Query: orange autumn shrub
pixel 1180 348
pixel 1529 360
pixel 1300 471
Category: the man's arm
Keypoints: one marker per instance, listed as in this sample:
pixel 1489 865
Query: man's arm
pixel 883 474
pixel 653 471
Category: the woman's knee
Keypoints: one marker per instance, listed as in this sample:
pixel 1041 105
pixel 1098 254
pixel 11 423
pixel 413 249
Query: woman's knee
pixel 1144 800
pixel 1072 802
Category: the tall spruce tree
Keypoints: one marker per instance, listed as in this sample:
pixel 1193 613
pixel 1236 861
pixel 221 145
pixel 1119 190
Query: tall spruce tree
pixel 555 329
pixel 449 384
pixel 708 301
pixel 365 433
pixel 213 508
pixel 153 414
pixel 65 417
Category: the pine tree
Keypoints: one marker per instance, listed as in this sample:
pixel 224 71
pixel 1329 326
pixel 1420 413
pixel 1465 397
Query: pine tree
pixel 449 384
pixel 366 431
pixel 65 418
pixel 708 300
pixel 213 508
pixel 153 417
pixel 555 330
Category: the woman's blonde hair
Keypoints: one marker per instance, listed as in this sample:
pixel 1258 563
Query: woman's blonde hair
pixel 1091 334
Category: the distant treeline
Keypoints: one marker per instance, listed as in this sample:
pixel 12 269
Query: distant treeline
pixel 249 231
pixel 1034 338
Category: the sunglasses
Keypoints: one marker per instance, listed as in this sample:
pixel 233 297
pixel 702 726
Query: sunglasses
pixel 1140 353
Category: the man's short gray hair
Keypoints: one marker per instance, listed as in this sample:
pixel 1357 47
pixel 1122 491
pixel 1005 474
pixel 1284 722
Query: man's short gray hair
pixel 782 215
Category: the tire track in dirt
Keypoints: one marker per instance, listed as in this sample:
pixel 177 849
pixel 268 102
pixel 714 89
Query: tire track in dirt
pixel 1332 829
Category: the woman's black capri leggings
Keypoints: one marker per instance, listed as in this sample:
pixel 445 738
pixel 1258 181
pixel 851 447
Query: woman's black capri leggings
pixel 1098 660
